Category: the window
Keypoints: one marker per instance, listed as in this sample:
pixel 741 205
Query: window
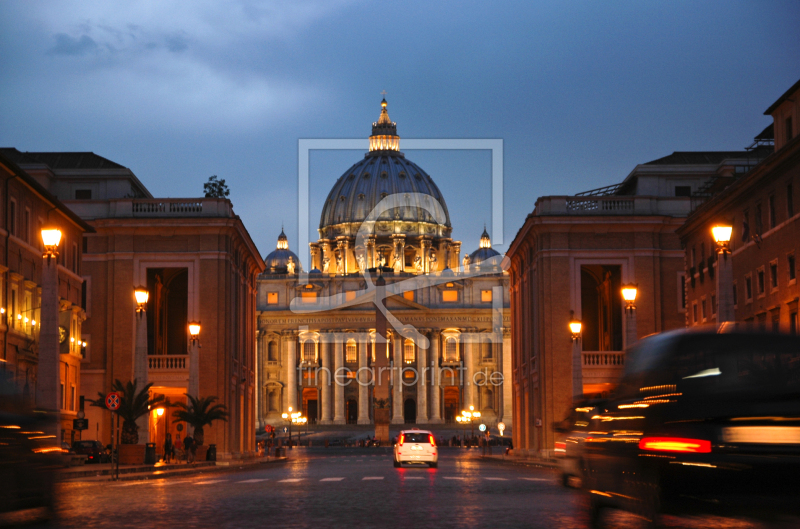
pixel 486 296
pixel 788 128
pixel 791 266
pixel 75 257
pixel 409 295
pixel 14 307
pixel 486 349
pixel 83 194
pixel 748 288
pixel 759 220
pixel 771 208
pixel 683 191
pixel 450 296
pixel 26 225
pixel 793 323
pixel 309 352
pixel 703 308
pixel 694 312
pixel 694 256
pixel 308 297
pixel 409 352
pixel 789 201
pixel 450 349
pixel 702 254
pixel 713 304
pixel 272 298
pixel 12 217
pixel 776 321
pixel 682 291
pixel 350 295
pixel 745 225
pixel 760 281
pixel 773 274
pixel 735 294
pixel 351 352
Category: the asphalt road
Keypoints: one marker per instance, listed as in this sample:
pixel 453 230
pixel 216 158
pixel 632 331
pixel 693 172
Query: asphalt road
pixel 345 488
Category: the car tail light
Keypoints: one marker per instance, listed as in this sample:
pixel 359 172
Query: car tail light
pixel 402 438
pixel 561 448
pixel 431 439
pixel 675 444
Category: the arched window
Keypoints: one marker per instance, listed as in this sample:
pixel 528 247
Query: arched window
pixel 272 352
pixel 273 400
pixel 488 399
pixel 409 356
pixel 351 352
pixel 450 349
pixel 309 352
pixel 486 349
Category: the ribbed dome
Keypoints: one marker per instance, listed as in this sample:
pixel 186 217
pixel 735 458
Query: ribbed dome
pixel 278 260
pixel 485 252
pixel 384 171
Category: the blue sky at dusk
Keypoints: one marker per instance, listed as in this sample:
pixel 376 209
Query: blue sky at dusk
pixel 579 92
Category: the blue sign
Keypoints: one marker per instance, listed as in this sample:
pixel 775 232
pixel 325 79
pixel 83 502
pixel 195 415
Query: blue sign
pixel 482 427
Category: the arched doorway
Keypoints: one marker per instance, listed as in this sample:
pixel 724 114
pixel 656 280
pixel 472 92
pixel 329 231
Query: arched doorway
pixel 451 399
pixel 352 411
pixel 310 404
pixel 410 411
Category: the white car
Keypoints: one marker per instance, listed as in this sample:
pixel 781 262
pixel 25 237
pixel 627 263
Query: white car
pixel 416 446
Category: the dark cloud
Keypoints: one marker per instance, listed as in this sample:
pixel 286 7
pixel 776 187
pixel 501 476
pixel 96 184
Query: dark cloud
pixel 176 43
pixel 66 45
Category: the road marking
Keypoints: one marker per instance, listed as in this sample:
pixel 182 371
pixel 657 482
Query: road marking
pixel 131 483
pixel 453 477
pixel 211 481
pixel 371 478
pixel 413 477
pixel 290 480
pixel 536 479
pixel 497 479
pixel 331 479
pixel 253 480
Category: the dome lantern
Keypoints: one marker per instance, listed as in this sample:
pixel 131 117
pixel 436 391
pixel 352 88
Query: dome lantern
pixel 486 241
pixel 384 133
pixel 282 260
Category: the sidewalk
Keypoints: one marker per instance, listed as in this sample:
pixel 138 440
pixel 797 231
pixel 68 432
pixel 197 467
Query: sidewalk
pixel 138 472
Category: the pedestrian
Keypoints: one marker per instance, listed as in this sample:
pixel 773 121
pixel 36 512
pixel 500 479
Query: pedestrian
pixel 168 448
pixel 188 446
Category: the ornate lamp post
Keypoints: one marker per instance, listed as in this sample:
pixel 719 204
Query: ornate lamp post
pixel 469 416
pixel 48 380
pixel 722 238
pixel 293 418
pixel 575 327
pixel 140 367
pixel 629 293
pixel 194 359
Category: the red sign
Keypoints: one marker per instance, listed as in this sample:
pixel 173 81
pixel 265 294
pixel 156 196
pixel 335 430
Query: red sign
pixel 268 428
pixel 113 401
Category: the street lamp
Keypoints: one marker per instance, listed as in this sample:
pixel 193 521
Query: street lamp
pixel 293 418
pixel 469 416
pixel 140 360
pixel 629 295
pixel 722 238
pixel 194 359
pixel 142 295
pixel 575 327
pixel 48 378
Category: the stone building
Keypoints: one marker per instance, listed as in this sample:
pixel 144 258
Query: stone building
pixel 569 261
pixel 385 212
pixel 198 263
pixel 27 206
pixel 763 207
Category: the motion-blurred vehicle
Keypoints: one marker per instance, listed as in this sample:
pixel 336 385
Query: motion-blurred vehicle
pixel 94 451
pixel 569 445
pixel 416 446
pixel 702 423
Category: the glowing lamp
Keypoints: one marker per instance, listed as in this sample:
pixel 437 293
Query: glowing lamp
pixel 142 295
pixel 629 295
pixel 722 236
pixel 51 236
pixel 159 411
pixel 575 328
pixel 194 330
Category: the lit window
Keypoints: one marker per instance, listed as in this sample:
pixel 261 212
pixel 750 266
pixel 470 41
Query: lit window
pixel 351 352
pixel 309 352
pixel 450 350
pixel 408 352
pixel 486 296
pixel 450 296
pixel 309 297
pixel 350 295
pixel 409 295
pixel 272 298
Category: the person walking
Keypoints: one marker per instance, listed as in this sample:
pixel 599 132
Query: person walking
pixel 169 448
pixel 188 446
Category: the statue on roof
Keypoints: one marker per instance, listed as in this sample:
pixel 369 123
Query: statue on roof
pixel 290 265
pixel 466 262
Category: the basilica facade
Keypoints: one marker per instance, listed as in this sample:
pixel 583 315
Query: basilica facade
pixel 448 337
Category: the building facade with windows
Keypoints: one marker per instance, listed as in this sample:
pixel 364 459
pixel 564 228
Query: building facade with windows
pixel 316 329
pixel 569 261
pixel 763 207
pixel 27 206
pixel 197 261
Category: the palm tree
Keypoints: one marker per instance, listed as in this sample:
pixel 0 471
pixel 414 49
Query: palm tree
pixel 198 413
pixel 133 404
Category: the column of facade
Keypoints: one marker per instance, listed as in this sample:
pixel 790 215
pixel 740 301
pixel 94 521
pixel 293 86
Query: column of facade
pixel 455 256
pixel 424 247
pixel 326 254
pixel 397 384
pixel 436 377
pixel 469 372
pixel 290 354
pixel 423 375
pixel 316 262
pixel 338 378
pixel 363 379
pixel 325 380
pixel 508 383
pixel 370 244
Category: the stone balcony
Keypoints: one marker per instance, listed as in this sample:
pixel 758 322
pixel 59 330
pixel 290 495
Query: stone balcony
pixel 151 208
pixel 163 369
pixel 602 367
pixel 613 205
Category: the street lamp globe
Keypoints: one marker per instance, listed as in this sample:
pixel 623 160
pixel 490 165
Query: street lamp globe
pixel 142 295
pixel 159 411
pixel 194 329
pixel 722 236
pixel 51 236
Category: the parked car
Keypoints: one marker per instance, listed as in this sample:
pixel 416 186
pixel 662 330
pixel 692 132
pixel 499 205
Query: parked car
pixel 702 422
pixel 94 451
pixel 416 446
